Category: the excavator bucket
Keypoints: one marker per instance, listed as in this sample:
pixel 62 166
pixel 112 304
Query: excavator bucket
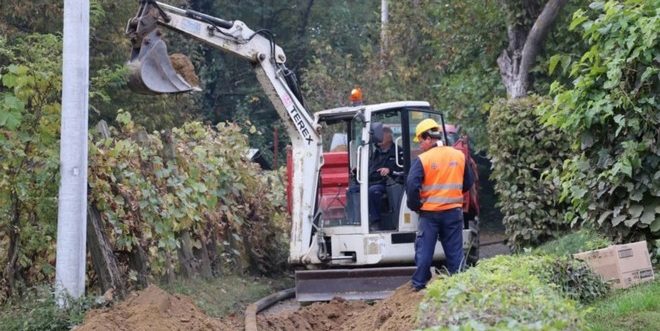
pixel 350 284
pixel 151 71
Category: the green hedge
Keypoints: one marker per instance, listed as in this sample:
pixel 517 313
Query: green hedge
pixel 521 292
pixel 156 190
pixel 522 150
pixel 611 113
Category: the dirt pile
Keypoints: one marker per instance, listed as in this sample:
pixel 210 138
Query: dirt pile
pixel 184 67
pixel 397 312
pixel 318 316
pixel 153 309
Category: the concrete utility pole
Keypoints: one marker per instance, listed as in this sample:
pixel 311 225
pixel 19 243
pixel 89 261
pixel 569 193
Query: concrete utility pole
pixel 72 208
pixel 384 21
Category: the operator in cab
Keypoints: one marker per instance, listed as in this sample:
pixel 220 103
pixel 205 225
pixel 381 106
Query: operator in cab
pixel 381 165
pixel 436 182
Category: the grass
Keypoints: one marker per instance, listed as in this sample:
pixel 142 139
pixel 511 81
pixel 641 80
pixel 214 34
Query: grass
pixel 637 308
pixel 575 242
pixel 229 294
pixel 36 310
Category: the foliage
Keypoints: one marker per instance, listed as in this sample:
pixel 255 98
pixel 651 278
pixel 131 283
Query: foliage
pixel 522 150
pixel 575 280
pixel 214 192
pixel 29 150
pixel 153 188
pixel 611 113
pixel 634 309
pixel 37 310
pixel 574 242
pixel 506 292
pixel 434 53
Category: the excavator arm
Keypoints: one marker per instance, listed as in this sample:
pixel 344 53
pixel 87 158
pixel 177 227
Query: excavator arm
pixel 152 72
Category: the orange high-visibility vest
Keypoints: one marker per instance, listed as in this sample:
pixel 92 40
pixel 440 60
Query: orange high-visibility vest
pixel 442 188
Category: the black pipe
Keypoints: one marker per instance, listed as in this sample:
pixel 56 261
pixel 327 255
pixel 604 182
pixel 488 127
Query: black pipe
pixel 208 18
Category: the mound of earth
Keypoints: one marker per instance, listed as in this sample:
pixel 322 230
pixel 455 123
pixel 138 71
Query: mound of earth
pixel 397 312
pixel 153 309
pixel 184 67
pixel 317 316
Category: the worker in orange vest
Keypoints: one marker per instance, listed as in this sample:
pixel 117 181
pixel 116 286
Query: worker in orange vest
pixel 435 185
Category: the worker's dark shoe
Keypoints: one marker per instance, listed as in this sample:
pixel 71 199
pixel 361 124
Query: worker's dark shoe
pixel 417 289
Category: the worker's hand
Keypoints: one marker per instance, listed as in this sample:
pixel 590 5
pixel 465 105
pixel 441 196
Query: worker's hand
pixel 383 171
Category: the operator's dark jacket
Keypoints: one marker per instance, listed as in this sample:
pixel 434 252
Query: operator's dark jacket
pixel 382 159
pixel 416 177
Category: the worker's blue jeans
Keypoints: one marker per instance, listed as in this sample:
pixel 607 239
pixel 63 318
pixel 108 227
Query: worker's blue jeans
pixel 376 192
pixel 446 226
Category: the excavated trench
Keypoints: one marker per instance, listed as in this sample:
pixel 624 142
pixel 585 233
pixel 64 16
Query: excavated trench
pixel 394 313
pixel 155 309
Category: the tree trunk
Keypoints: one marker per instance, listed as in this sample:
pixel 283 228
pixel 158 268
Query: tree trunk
pixel 212 252
pixel 104 261
pixel 519 57
pixel 205 268
pixel 12 253
pixel 139 262
pixel 169 268
pixel 186 257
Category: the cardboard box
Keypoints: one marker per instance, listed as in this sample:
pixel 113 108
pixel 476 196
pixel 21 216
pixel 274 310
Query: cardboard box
pixel 620 265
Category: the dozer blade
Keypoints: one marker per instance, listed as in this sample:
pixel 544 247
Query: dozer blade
pixel 151 71
pixel 350 284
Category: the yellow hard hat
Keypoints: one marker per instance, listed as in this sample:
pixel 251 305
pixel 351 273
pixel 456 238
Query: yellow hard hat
pixel 424 126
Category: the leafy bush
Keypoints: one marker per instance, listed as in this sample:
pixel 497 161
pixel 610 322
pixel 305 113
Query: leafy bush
pixel 191 187
pixel 612 113
pixel 29 158
pixel 521 150
pixel 505 292
pixel 575 280
pixel 575 242
pixel 37 311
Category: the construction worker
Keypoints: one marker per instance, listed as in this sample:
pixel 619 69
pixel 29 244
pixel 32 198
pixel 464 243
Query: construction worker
pixel 435 185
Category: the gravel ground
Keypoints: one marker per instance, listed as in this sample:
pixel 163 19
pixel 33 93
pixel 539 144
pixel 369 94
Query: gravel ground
pixel 492 244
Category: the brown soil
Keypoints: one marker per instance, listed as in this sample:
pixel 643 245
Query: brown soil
pixel 398 312
pixel 184 67
pixel 317 316
pixel 154 309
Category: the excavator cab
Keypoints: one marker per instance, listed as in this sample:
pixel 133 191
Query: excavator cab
pixel 150 67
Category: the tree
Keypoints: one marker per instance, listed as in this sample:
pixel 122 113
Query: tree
pixel 525 41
